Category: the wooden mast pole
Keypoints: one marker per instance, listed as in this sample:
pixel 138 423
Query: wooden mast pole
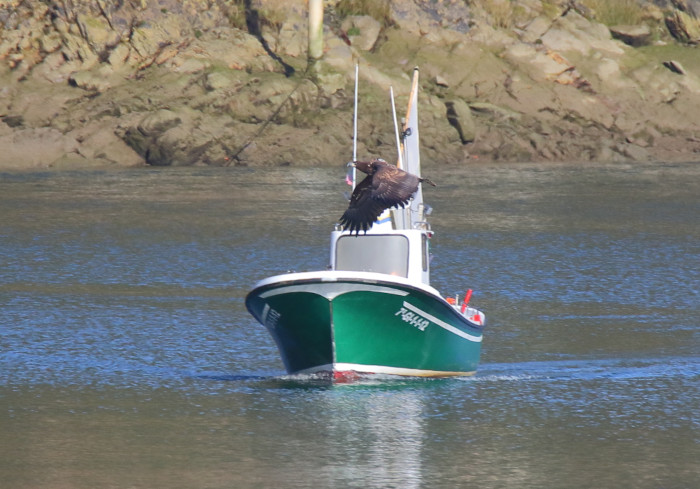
pixel 315 30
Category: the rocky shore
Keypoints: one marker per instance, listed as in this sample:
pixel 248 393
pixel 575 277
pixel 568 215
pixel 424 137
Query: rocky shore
pixel 228 82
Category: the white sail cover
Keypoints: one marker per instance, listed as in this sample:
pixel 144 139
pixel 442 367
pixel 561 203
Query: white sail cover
pixel 410 148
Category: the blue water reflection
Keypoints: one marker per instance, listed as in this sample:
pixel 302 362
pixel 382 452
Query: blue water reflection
pixel 127 358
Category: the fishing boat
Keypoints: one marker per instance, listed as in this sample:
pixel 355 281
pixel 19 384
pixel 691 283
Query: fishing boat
pixel 373 311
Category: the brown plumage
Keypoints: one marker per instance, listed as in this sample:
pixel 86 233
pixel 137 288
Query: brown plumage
pixel 385 186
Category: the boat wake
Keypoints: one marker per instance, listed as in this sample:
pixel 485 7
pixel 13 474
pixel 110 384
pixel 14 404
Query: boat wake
pixel 581 369
pixel 554 371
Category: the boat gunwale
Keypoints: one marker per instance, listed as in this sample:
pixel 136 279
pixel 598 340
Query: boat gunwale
pixel 373 278
pixel 341 275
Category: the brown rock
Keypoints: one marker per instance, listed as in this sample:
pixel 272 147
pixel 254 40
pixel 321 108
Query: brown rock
pixel 683 27
pixel 362 30
pixel 632 35
pixel 675 67
pixel 33 148
pixel 460 117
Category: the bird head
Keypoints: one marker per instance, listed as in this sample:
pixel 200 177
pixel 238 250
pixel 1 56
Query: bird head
pixel 369 167
pixel 364 166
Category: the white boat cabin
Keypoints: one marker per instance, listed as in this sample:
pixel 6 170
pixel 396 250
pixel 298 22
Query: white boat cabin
pixel 404 253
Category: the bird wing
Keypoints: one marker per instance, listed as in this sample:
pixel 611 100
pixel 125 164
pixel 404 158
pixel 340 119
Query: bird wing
pixel 393 186
pixel 363 209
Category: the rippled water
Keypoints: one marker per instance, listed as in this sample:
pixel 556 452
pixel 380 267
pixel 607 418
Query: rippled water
pixel 127 358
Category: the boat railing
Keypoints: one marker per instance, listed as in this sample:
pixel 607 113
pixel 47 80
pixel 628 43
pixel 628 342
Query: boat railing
pixel 422 225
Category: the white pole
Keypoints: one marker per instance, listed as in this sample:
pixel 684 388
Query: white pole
pixel 315 29
pixel 354 127
pixel 396 127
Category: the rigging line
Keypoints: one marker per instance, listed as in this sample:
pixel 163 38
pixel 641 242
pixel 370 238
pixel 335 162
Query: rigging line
pixel 257 134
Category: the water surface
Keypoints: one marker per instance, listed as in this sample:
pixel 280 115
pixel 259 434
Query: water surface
pixel 127 358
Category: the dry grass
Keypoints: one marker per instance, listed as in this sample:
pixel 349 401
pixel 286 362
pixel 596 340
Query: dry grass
pixel 615 12
pixel 501 12
pixel 380 10
pixel 237 15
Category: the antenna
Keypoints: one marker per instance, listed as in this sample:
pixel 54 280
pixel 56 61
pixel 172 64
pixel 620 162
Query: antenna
pixel 354 127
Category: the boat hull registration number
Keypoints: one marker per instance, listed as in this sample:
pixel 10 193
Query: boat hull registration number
pixel 412 318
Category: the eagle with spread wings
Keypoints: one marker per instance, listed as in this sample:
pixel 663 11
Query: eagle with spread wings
pixel 385 186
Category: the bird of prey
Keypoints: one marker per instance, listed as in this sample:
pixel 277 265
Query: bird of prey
pixel 385 186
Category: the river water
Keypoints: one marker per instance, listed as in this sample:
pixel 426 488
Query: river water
pixel 128 360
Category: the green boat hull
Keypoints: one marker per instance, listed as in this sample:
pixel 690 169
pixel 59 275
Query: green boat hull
pixel 332 323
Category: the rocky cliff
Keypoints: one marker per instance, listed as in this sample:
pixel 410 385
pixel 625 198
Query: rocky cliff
pixel 228 82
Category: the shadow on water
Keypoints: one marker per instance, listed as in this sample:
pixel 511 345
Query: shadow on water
pixel 313 381
pixel 231 377
pixel 324 380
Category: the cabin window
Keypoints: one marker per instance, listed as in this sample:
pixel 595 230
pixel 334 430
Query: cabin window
pixel 373 253
pixel 426 253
